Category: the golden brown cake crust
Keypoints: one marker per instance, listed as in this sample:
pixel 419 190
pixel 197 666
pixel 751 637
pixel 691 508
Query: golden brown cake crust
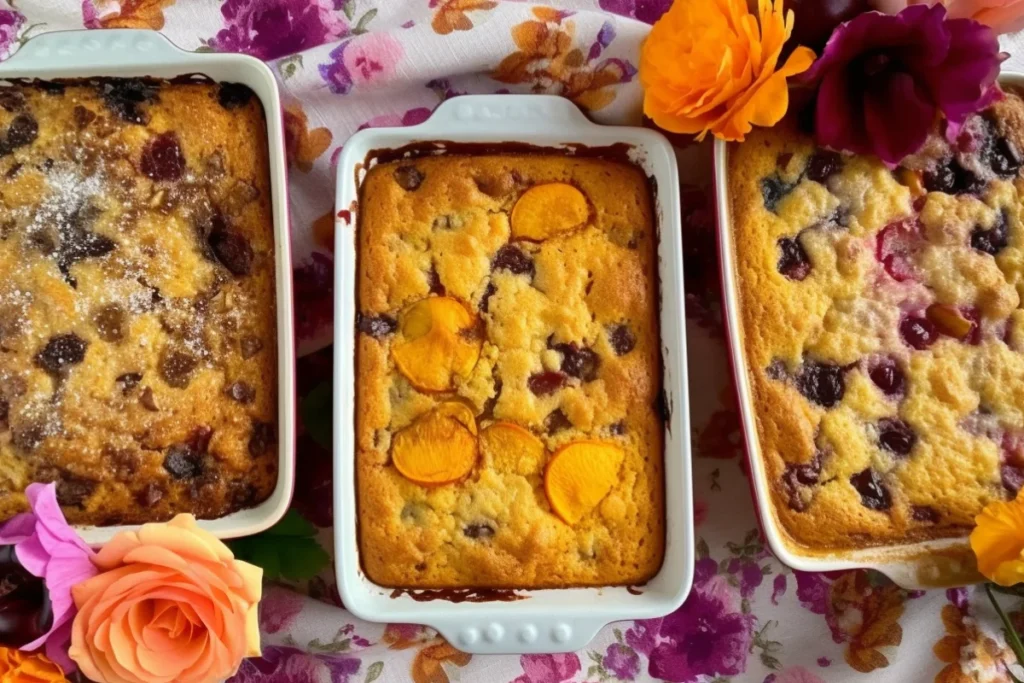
pixel 496 528
pixel 137 325
pixel 882 330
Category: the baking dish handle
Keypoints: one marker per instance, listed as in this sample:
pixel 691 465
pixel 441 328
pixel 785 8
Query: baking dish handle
pixel 518 634
pixel 94 48
pixel 505 114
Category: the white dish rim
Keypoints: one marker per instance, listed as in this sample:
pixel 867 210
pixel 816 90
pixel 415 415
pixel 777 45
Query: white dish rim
pixel 139 53
pixel 915 566
pixel 548 620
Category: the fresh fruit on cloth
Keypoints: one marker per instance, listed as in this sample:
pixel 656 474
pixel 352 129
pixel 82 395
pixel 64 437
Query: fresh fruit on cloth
pixel 579 476
pixel 548 210
pixel 439 342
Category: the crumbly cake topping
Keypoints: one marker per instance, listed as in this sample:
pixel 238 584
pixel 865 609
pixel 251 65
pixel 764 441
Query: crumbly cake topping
pixel 883 329
pixel 508 362
pixel 138 262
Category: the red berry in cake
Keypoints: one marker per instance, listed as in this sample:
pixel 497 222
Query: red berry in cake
pixel 1012 478
pixel 621 339
pixel 873 493
pixel 1003 158
pixel 896 436
pixel 556 421
pixel 821 383
pixel 162 159
pixel 993 240
pixel 918 332
pixel 376 326
pixel 793 260
pixel 234 95
pixel 544 383
pixel 895 244
pixel 60 352
pixel 924 513
pixel 577 361
pixel 514 260
pixel 261 438
pixel 183 462
pixel 409 177
pixel 823 165
pixel 889 377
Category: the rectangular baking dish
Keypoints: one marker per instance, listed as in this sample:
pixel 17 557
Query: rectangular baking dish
pixel 134 53
pixel 917 565
pixel 558 620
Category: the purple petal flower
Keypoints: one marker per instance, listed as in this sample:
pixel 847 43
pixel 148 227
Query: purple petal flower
pixel 38 537
pixel 10 23
pixel 280 664
pixel 273 28
pixel 278 609
pixel 824 661
pixel 548 668
pixel 778 588
pixel 812 590
pixel 750 578
pixel 648 11
pixel 704 570
pixel 959 598
pixel 883 79
pixel 621 661
pixel 643 635
pixel 703 637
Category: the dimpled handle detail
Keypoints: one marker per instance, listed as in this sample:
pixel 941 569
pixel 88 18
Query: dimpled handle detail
pixel 504 114
pixel 91 49
pixel 493 636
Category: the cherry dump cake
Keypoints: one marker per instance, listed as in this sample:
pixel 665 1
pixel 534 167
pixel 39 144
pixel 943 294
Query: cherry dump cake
pixel 883 330
pixel 508 370
pixel 137 324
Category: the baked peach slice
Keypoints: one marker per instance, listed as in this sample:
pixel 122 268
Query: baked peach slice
pixel 547 210
pixel 579 476
pixel 440 341
pixel 440 447
pixel 513 449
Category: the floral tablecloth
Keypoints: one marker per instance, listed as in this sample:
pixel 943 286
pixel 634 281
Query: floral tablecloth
pixel 349 64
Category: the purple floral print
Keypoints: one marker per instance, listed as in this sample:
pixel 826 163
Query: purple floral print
pixel 269 29
pixel 644 10
pixel 292 665
pixel 360 61
pixel 707 636
pixel 10 23
pixel 749 574
pixel 643 635
pixel 548 668
pixel 812 590
pixel 278 609
pixel 778 588
pixel 621 661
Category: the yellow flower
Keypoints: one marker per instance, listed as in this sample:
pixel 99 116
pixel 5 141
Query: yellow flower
pixel 707 66
pixel 25 667
pixel 998 542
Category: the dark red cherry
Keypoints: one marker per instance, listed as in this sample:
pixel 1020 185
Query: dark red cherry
pixel 823 165
pixel 1012 477
pixel 924 513
pixel 918 332
pixel 896 436
pixel 162 159
pixel 993 240
pixel 579 362
pixel 376 326
pixel 772 191
pixel 514 260
pixel 183 462
pixel 261 438
pixel 622 339
pixel 544 383
pixel 793 260
pixel 61 352
pixel 821 383
pixel 889 377
pixel 894 245
pixel 873 493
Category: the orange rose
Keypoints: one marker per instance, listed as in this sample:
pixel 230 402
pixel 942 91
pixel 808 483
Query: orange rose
pixel 171 604
pixel 708 66
pixel 23 667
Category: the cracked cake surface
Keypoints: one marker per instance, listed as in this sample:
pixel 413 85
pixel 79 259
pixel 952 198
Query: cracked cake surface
pixel 508 373
pixel 883 330
pixel 137 324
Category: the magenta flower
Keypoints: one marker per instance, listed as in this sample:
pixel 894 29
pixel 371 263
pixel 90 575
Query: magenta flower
pixel 10 23
pixel 883 80
pixel 49 549
pixel 269 29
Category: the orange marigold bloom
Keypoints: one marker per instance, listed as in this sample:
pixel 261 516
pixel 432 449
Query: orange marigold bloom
pixel 27 667
pixel 998 542
pixel 707 66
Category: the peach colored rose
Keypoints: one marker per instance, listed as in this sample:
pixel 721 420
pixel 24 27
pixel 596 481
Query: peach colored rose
pixel 1004 16
pixel 170 604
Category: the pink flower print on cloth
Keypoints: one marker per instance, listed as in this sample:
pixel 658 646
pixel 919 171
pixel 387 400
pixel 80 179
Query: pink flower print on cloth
pixel 360 61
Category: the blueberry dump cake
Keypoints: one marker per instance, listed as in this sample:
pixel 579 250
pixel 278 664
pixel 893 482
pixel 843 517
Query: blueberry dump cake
pixel 508 369
pixel 883 330
pixel 137 325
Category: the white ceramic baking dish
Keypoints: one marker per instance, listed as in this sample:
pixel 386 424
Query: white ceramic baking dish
pixel 128 53
pixel 544 620
pixel 918 565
